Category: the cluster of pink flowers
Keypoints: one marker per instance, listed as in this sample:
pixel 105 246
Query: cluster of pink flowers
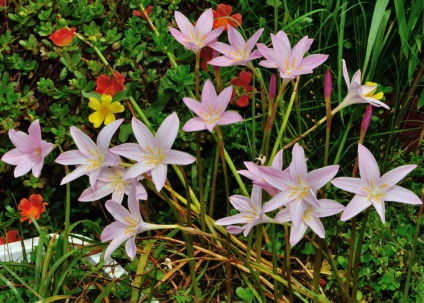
pixel 293 190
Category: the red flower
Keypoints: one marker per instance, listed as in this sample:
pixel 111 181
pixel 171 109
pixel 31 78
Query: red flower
pixel 32 208
pixel 242 89
pixel 11 236
pixel 110 85
pixel 139 14
pixel 63 37
pixel 222 17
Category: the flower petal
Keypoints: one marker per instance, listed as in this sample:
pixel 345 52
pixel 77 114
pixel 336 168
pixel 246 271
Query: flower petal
pixel 321 176
pixel 297 232
pixel 159 176
pixel 395 175
pixel 402 195
pixel 178 157
pixel 368 166
pixel 167 132
pixel 355 206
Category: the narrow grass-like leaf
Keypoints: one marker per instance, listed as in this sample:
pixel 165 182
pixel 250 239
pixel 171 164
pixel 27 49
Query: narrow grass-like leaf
pixel 379 9
pixel 104 293
pixel 12 288
pixel 142 263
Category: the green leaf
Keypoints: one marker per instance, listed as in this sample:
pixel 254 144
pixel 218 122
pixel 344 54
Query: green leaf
pixel 89 95
pixel 245 294
pixel 124 132
pixel 421 101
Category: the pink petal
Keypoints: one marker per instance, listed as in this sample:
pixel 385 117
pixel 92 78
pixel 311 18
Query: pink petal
pixel 225 49
pixel 223 99
pixel 327 208
pixel 143 135
pixel 116 242
pixel 112 230
pixel 316 225
pixel 178 157
pixel 119 212
pixel 137 170
pixel 105 135
pixel 353 185
pixel 355 206
pixel 23 168
pixel 131 151
pixel 194 124
pixel 321 176
pixel 195 106
pixel 276 177
pixel 208 95
pixel 277 162
pixel 297 232
pixel 159 176
pixel 21 140
pixel 222 61
pixel 253 40
pixel 368 167
pixel 256 197
pixel 230 117
pixel 76 173
pixel 212 36
pixel 83 142
pixel 185 26
pixel 167 131
pixel 133 203
pixel 402 195
pixel 91 194
pixel 205 22
pixel 395 175
pixel 298 169
pixel 235 219
pixel 130 248
pixel 236 39
pixel 297 209
pixel 345 73
pixel 279 200
pixel 312 61
pixel 71 157
pixel 241 203
pixel 234 229
pixel 180 37
pixel 283 216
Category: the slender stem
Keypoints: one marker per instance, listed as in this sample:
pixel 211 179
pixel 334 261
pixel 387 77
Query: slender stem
pixel 214 179
pixel 284 124
pixel 317 268
pixel 411 259
pixel 258 242
pixel 358 255
pixel 274 261
pixel 287 259
pixel 227 194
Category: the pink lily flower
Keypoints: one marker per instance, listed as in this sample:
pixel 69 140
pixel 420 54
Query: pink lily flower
pixel 128 224
pixel 298 187
pixel 255 173
pixel 211 111
pixel 358 93
pixel 290 62
pixel 310 218
pixel 196 37
pixel 30 150
pixel 371 189
pixel 251 213
pixel 110 181
pixel 239 52
pixel 90 158
pixel 153 154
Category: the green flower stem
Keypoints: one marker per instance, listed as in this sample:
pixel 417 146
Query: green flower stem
pixel 274 261
pixel 317 268
pixel 285 120
pixel 261 83
pixel 102 58
pixel 227 195
pixel 235 173
pixel 214 180
pixel 358 255
pixel 258 242
pixel 272 110
pixel 67 209
pixel 287 263
pixel 411 259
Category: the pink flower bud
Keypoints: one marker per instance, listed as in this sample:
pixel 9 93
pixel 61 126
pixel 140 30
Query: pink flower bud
pixel 366 119
pixel 328 84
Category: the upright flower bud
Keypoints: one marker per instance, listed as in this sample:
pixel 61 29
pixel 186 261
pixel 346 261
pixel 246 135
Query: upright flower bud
pixel 328 85
pixel 365 122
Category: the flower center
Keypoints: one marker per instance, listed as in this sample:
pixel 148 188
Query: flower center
pixel 96 161
pixel 250 214
pixel 37 152
pixel 375 194
pixel 301 190
pixel 155 158
pixel 132 226
pixel 371 94
pixel 212 117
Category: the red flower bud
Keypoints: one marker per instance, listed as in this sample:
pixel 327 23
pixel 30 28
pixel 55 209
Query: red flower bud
pixel 328 84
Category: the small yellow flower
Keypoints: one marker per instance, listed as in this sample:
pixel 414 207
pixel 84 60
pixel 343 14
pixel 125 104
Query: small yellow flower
pixel 104 110
pixel 371 94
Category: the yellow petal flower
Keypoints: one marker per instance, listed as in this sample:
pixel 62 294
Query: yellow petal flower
pixel 104 110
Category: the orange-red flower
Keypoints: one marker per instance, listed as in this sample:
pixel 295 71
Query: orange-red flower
pixel 63 36
pixel 11 236
pixel 222 17
pixel 32 208
pixel 242 89
pixel 110 85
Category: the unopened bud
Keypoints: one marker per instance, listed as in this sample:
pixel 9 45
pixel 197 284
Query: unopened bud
pixel 366 120
pixel 328 85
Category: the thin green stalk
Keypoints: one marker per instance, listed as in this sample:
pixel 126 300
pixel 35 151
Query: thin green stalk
pixel 340 48
pixel 227 195
pixel 214 180
pixel 274 261
pixel 350 254
pixel 198 152
pixel 258 242
pixel 358 255
pixel 287 259
pixel 285 120
pixel 411 259
pixel 317 268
